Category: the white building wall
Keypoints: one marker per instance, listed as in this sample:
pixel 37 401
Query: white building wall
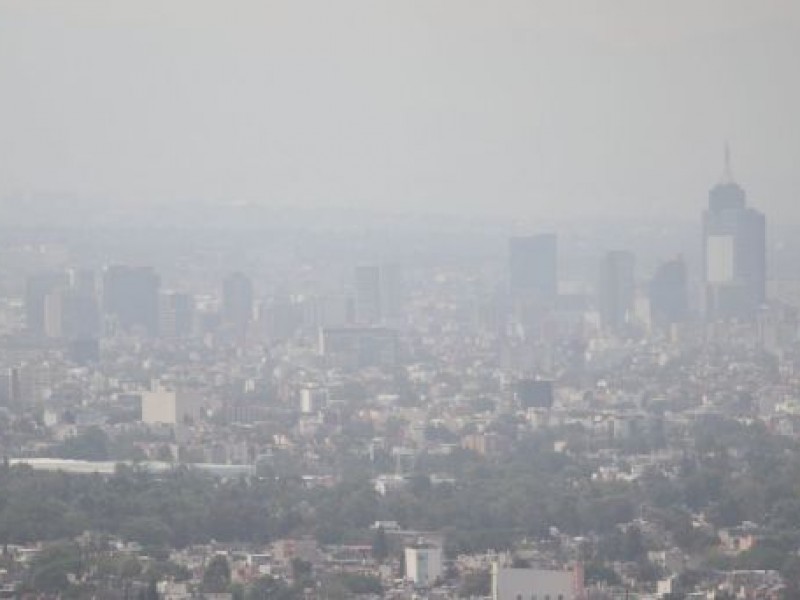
pixel 313 399
pixel 423 565
pixel 159 407
pixel 533 584
pixel 720 258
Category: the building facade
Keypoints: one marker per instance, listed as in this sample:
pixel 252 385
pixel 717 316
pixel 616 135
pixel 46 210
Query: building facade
pixel 536 584
pixel 617 288
pixel 423 564
pixel 130 298
pixel 734 248
pixel 669 293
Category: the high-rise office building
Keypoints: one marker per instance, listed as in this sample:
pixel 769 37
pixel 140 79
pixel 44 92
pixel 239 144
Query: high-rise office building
pixel 533 266
pixel 30 383
pixel 379 293
pixel 617 288
pixel 79 308
pixel 62 305
pixel 175 315
pixel 37 288
pixel 14 390
pixel 130 298
pixel 237 300
pixel 734 248
pixel 80 315
pixel 82 281
pixel 669 293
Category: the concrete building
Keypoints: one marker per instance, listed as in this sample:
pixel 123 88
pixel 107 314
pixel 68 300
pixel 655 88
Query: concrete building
pixel 423 564
pixel 37 288
pixel 378 293
pixel 168 407
pixel 313 399
pixel 71 314
pixel 175 315
pixel 536 584
pixel 485 443
pixel 30 383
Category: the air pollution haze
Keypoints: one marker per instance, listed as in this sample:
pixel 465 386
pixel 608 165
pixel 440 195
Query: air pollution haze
pixel 403 299
pixel 533 109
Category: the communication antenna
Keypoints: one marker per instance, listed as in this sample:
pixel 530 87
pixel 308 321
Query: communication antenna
pixel 727 175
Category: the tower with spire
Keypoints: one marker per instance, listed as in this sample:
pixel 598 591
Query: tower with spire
pixel 727 194
pixel 734 251
pixel 727 174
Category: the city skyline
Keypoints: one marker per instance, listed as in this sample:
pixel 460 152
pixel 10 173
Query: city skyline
pixel 428 299
pixel 521 108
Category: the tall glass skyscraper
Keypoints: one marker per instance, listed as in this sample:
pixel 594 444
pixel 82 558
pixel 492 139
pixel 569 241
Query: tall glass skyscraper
pixel 669 293
pixel 617 288
pixel 734 248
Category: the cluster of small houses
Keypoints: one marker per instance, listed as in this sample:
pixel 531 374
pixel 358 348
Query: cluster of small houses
pixel 530 573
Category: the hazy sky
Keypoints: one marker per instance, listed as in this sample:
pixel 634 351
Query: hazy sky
pixel 516 107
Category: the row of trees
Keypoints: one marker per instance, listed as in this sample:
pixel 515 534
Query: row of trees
pixel 731 472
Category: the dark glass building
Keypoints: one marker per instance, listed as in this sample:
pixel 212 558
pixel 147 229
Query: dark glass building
pixel 669 293
pixel 130 298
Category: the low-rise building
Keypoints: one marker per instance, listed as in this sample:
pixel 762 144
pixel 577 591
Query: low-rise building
pixel 536 584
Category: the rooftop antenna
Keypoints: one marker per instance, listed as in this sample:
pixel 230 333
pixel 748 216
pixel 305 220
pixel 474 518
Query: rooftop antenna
pixel 727 175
